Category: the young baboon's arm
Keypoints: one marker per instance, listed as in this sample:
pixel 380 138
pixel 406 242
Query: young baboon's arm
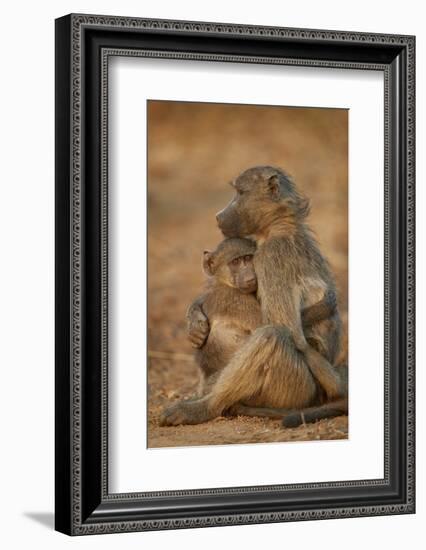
pixel 321 310
pixel 197 323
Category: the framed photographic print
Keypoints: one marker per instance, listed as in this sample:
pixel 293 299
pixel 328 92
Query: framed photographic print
pixel 234 274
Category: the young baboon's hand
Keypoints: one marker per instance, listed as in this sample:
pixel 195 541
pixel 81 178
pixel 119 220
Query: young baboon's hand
pixel 198 328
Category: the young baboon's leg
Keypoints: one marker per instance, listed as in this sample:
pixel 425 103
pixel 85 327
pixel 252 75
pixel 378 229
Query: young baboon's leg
pixel 266 371
pixel 311 414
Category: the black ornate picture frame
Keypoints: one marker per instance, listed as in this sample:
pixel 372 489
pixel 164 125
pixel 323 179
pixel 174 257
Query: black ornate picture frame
pixel 84 43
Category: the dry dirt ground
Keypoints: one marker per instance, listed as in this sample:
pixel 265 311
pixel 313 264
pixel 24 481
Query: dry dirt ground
pixel 194 149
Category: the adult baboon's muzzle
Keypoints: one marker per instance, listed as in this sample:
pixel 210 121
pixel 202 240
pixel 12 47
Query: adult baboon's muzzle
pixel 227 222
pixel 220 217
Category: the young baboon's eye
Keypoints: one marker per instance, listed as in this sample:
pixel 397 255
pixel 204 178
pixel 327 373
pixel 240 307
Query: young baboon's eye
pixel 248 257
pixel 235 261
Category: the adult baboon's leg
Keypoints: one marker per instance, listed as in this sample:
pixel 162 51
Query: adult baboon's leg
pixel 267 370
pixel 293 418
pixel 325 373
pixel 286 310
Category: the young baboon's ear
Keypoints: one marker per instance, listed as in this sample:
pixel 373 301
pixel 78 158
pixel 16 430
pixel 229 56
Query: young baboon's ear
pixel 208 263
pixel 274 187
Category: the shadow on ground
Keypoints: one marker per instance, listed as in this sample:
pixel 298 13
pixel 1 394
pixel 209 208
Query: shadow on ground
pixel 47 519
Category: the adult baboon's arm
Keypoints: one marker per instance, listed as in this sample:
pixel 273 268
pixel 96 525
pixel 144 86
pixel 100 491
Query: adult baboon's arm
pixel 282 306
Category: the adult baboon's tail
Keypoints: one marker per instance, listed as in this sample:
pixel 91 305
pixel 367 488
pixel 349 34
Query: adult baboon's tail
pixel 311 414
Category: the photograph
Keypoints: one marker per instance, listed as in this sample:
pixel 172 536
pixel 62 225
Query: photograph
pixel 247 298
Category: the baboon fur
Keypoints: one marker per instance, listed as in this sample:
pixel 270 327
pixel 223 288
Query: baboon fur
pixel 281 365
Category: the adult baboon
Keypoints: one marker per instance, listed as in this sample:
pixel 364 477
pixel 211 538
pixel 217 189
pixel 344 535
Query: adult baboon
pixel 280 365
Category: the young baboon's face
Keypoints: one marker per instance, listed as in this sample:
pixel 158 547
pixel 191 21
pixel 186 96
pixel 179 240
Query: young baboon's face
pixel 232 264
pixel 259 193
pixel 242 274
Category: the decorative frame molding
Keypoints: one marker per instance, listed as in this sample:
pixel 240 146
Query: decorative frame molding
pixel 84 43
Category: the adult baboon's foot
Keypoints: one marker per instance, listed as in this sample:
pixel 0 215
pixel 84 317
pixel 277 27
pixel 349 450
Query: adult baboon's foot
pixel 186 412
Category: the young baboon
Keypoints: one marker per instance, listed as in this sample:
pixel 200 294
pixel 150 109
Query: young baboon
pixel 280 365
pixel 229 303
pixel 231 306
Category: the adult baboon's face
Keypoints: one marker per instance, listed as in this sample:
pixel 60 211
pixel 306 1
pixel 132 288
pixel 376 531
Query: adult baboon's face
pixel 259 193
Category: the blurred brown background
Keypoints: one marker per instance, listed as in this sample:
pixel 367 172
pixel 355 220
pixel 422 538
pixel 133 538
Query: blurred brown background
pixel 194 149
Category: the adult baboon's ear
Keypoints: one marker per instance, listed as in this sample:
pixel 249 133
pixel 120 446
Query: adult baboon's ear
pixel 274 187
pixel 304 207
pixel 208 263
